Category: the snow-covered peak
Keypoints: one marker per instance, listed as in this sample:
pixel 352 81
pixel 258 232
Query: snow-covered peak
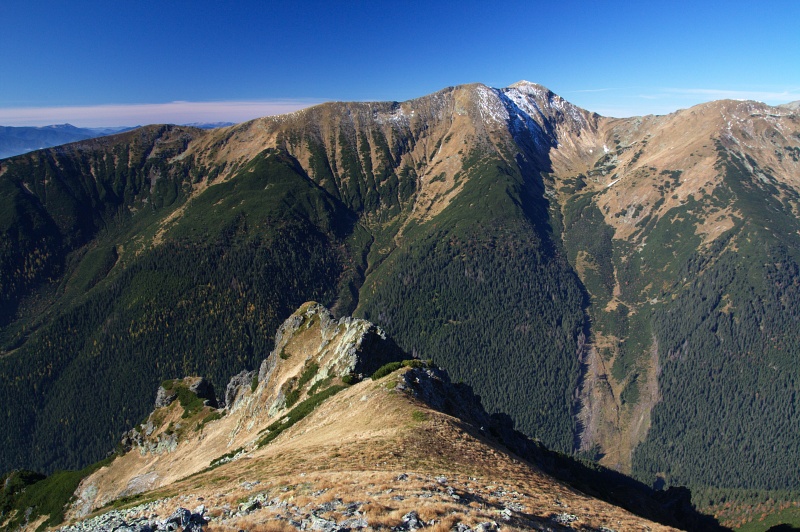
pixel 490 105
pixel 527 87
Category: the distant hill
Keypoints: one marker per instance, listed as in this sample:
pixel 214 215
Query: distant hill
pixel 209 125
pixel 18 140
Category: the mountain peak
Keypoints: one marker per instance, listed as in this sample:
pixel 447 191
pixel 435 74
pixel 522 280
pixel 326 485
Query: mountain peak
pixel 794 106
pixel 526 85
pixel 484 228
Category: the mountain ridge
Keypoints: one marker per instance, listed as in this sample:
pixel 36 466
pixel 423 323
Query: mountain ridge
pixel 428 427
pixel 586 240
pixel 15 140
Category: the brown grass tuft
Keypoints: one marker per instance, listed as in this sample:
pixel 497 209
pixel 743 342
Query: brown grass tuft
pixel 435 510
pixel 379 515
pixel 446 524
pixel 272 526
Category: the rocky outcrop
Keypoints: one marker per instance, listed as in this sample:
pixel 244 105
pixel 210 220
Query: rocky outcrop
pixel 152 436
pixel 313 350
pixel 199 386
pixel 132 520
pixel 164 397
pixel 358 347
pixel 140 438
pixel 237 386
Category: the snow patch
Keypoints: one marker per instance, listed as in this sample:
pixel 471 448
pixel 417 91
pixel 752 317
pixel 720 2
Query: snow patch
pixel 490 105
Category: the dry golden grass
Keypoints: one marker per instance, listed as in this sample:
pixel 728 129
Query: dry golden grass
pixel 381 515
pixel 429 511
pixel 253 525
pixel 446 524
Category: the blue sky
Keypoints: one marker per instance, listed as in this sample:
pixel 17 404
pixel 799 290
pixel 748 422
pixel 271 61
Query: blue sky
pixel 101 63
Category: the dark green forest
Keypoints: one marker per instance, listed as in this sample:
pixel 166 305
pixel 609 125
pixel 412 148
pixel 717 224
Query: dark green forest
pixel 724 319
pixel 729 348
pixel 485 292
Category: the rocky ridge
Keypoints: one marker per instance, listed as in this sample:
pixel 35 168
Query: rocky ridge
pixel 313 351
pixel 404 450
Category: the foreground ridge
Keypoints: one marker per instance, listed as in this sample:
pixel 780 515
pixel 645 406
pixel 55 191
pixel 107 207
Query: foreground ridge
pixel 338 432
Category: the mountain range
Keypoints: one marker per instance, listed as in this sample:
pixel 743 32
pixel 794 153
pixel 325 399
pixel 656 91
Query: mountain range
pixel 20 139
pixel 624 289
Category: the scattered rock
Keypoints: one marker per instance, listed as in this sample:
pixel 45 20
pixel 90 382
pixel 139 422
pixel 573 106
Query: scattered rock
pixel 180 516
pixel 249 507
pixel 249 485
pixel 411 521
pixel 355 523
pixel 565 518
pixel 125 521
pixel 329 506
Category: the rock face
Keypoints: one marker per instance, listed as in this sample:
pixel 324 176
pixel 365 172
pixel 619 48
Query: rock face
pixel 164 397
pixel 313 350
pixel 199 386
pixel 160 432
pixel 205 391
pixel 354 346
pixel 344 348
pixel 239 384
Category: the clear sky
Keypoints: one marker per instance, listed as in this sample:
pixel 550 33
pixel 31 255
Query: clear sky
pixel 129 62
